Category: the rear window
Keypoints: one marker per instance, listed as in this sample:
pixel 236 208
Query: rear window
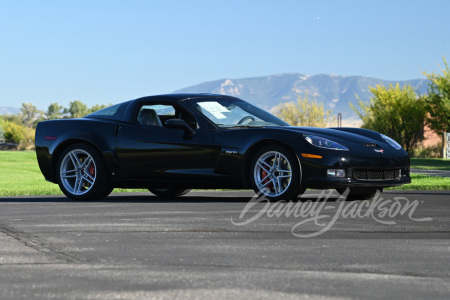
pixel 114 112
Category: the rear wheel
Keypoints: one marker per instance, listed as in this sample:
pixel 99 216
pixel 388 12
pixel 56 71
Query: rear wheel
pixel 275 173
pixel 360 193
pixel 167 193
pixel 82 174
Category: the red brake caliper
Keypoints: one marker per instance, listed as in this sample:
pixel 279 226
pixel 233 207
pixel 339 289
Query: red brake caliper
pixel 263 175
pixel 92 170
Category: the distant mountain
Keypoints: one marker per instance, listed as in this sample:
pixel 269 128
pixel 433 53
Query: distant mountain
pixel 9 110
pixel 336 92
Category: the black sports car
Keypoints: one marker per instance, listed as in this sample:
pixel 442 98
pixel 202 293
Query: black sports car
pixel 172 143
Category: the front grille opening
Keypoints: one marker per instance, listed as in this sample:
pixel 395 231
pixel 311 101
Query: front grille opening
pixel 391 174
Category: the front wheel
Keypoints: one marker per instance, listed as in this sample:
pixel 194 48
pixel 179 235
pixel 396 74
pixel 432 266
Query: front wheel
pixel 275 173
pixel 82 174
pixel 167 193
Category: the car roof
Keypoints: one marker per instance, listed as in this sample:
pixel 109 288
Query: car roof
pixel 184 96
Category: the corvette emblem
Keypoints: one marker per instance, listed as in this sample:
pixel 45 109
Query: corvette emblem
pixel 379 150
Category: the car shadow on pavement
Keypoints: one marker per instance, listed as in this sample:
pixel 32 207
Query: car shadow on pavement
pixel 197 197
pixel 123 199
pixel 139 197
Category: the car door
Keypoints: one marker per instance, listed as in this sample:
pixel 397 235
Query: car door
pixel 160 153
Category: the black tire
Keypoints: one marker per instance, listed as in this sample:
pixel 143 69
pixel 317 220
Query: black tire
pixel 168 193
pixel 275 173
pixel 360 193
pixel 81 173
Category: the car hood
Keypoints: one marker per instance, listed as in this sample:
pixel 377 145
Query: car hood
pixel 334 132
pixel 349 137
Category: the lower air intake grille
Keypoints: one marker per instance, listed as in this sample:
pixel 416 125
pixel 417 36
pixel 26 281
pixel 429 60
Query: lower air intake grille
pixel 377 174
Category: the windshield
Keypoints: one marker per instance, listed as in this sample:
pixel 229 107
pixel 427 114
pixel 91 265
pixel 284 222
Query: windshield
pixel 232 112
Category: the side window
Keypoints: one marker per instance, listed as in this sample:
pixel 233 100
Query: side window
pixel 155 114
pixel 158 114
pixel 161 109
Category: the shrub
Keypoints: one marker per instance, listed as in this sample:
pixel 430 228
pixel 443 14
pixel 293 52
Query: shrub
pixel 427 152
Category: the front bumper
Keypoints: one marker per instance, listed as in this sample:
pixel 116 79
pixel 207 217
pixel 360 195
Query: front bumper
pixel 332 183
pixel 367 173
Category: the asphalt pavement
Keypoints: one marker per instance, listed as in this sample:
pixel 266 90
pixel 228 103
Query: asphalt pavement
pixel 220 245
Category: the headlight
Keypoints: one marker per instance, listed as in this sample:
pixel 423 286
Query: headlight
pixel 391 142
pixel 324 143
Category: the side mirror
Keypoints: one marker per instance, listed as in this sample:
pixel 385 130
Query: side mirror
pixel 180 124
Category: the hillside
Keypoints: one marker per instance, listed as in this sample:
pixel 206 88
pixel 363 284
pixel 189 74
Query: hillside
pixel 336 92
pixel 8 110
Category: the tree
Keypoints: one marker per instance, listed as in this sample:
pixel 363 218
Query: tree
pixel 54 111
pixel 16 118
pixel 304 113
pixel 29 114
pixel 438 100
pixel 398 113
pixel 77 109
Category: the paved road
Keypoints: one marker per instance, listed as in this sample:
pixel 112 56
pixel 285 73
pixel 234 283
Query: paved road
pixel 133 246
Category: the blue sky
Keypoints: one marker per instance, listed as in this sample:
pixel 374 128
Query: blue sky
pixel 103 52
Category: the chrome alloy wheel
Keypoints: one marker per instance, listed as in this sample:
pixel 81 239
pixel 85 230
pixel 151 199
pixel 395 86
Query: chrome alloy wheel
pixel 272 173
pixel 78 172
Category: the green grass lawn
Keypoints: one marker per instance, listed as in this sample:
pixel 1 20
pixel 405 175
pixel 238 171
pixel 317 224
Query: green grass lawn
pixel 20 175
pixel 425 182
pixel 430 163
